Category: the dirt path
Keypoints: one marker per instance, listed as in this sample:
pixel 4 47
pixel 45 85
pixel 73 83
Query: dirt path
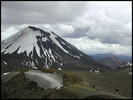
pixel 86 87
pixel 101 92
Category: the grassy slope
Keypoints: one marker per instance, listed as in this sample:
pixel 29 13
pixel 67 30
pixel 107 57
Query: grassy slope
pixel 77 85
pixel 108 81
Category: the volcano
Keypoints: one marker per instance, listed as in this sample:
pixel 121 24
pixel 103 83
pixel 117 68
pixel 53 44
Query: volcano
pixel 33 47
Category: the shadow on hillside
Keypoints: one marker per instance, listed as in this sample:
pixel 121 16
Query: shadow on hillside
pixel 104 96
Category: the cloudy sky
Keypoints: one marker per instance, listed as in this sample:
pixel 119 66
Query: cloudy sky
pixel 93 27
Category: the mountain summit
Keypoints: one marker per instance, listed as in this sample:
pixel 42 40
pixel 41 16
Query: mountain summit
pixel 35 48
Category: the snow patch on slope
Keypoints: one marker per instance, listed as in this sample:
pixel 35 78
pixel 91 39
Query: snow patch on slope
pixel 51 55
pixel 6 73
pixel 53 37
pixel 129 64
pixel 45 80
pixel 44 39
pixel 130 73
pixel 5 63
pixel 59 69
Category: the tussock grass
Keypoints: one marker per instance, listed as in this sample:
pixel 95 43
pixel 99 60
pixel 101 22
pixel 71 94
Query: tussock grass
pixel 46 70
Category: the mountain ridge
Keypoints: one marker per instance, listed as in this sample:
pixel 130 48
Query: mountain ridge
pixel 101 56
pixel 46 49
pixel 112 62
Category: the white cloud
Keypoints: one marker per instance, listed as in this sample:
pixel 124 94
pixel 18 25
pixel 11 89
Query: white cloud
pixel 66 29
pixel 59 29
pixel 95 46
pixel 8 32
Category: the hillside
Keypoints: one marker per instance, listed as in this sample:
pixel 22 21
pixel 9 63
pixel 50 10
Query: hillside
pixel 126 67
pixel 76 85
pixel 111 62
pixel 101 56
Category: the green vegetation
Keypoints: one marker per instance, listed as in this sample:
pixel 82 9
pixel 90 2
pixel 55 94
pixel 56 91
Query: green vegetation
pixel 76 86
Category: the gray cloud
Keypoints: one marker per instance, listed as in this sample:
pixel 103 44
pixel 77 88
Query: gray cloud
pixel 100 22
pixel 78 32
pixel 32 12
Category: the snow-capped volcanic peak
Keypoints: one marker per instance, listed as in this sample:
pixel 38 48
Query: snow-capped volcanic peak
pixel 36 48
pixel 22 41
pixel 32 41
pixel 27 39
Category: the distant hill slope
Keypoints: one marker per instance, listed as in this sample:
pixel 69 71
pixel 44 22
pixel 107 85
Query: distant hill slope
pixel 111 62
pixel 101 56
pixel 126 67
